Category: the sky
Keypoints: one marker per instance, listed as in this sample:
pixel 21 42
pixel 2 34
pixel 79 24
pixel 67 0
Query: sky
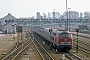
pixel 28 8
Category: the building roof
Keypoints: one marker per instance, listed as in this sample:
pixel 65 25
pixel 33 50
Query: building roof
pixel 9 15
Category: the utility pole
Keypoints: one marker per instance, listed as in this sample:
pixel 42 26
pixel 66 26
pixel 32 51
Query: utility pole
pixel 69 19
pixel 67 15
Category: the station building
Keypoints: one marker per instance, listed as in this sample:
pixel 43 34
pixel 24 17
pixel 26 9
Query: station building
pixel 8 24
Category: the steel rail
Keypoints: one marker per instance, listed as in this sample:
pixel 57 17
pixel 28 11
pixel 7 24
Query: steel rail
pixel 22 50
pixel 72 56
pixel 38 51
pixel 82 49
pixel 15 52
pixel 83 42
pixel 49 56
pixel 82 36
pixel 86 50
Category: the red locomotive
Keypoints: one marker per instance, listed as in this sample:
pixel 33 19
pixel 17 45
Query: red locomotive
pixel 61 40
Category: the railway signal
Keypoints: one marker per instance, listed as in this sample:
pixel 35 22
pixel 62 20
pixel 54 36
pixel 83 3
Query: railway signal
pixel 77 30
pixel 19 30
pixel 50 30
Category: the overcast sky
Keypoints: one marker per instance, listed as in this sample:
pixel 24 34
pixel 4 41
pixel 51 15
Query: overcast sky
pixel 28 8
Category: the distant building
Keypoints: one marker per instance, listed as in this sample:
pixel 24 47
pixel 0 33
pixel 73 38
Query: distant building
pixel 81 15
pixel 0 25
pixel 57 15
pixel 0 22
pixel 38 15
pixel 53 14
pixel 8 24
pixel 44 16
pixel 49 15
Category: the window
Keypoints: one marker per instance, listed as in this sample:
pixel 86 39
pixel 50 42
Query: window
pixel 12 20
pixel 64 35
pixel 5 20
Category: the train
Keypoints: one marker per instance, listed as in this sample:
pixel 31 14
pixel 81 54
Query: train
pixel 61 40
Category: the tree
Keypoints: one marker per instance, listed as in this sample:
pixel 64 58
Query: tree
pixel 73 15
pixel 86 15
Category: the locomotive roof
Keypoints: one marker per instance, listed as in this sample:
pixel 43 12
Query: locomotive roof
pixel 53 30
pixel 56 31
pixel 61 31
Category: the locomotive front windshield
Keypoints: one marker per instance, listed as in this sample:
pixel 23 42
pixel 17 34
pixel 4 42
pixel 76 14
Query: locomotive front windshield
pixel 64 35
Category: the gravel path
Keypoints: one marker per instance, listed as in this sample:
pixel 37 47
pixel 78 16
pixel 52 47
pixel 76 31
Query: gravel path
pixel 6 43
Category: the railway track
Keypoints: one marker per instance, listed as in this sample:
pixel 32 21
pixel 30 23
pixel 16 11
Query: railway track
pixel 44 54
pixel 82 49
pixel 86 36
pixel 72 56
pixel 83 46
pixel 82 42
pixel 16 52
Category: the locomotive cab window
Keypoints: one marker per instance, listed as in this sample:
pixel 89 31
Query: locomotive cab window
pixel 64 35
